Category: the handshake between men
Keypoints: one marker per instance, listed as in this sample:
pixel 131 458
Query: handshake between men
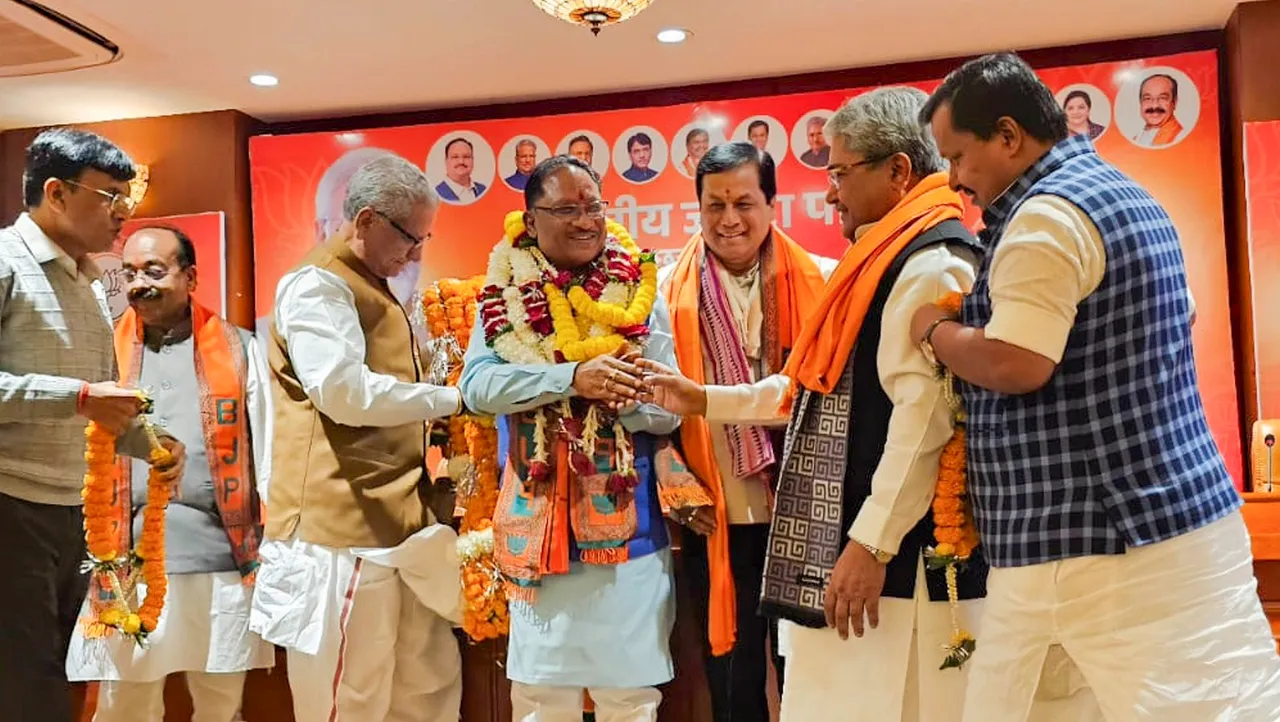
pixel 624 379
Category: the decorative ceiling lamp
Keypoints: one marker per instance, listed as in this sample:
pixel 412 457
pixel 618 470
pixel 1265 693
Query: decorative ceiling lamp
pixel 593 14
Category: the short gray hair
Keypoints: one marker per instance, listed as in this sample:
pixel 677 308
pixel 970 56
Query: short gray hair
pixel 390 185
pixel 886 121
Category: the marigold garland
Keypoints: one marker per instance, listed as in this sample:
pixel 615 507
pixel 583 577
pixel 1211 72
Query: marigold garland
pixel 115 573
pixel 471 451
pixel 954 529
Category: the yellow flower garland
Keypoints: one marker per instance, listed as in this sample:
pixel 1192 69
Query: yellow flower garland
pixel 105 556
pixel 569 330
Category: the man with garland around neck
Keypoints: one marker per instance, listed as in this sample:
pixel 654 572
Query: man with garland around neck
pixel 868 424
pixel 579 534
pixel 359 577
pixel 739 294
pixel 1101 498
pixel 210 387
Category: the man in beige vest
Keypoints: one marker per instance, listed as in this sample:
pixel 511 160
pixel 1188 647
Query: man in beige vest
pixel 358 580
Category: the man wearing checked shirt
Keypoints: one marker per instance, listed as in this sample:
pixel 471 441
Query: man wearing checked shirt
pixel 1103 503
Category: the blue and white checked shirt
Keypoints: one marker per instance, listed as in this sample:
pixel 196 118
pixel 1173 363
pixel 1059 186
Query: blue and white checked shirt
pixel 1114 451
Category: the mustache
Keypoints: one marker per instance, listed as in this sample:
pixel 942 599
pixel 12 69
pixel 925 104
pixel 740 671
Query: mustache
pixel 149 293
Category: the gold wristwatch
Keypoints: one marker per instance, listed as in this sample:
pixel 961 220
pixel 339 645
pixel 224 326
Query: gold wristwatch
pixel 926 343
pixel 881 556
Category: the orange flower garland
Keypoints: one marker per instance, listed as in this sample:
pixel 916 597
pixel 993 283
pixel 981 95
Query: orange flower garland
pixel 115 573
pixel 471 450
pixel 954 530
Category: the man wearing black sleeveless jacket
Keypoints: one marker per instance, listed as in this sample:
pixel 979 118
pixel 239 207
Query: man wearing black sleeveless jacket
pixel 868 422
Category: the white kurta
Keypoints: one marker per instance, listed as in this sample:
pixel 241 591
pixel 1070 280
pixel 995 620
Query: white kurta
pixel 204 628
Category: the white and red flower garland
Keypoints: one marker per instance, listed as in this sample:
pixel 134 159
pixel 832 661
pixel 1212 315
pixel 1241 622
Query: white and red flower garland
pixel 534 313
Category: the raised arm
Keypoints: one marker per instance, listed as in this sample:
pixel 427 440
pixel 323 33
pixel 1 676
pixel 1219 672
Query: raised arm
pixel 316 316
pixel 491 386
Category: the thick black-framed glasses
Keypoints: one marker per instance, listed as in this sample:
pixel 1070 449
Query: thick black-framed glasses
pixel 409 238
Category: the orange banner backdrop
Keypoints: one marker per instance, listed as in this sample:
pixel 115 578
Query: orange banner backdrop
pixel 299 180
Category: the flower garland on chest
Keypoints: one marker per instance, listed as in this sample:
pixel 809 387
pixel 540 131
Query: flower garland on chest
pixel 117 571
pixel 534 313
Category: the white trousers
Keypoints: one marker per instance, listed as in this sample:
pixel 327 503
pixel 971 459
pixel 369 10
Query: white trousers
pixel 892 672
pixel 392 659
pixel 215 697
pixel 1172 632
pixel 538 703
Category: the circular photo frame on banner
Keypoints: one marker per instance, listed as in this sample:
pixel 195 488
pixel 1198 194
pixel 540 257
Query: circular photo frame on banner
pixel 640 154
pixel 1157 107
pixel 461 167
pixel 1088 109
pixel 808 144
pixel 765 133
pixel 587 146
pixel 517 159
pixel 690 143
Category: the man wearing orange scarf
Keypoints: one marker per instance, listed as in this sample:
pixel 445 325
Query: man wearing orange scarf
pixel 209 385
pixel 738 295
pixel 868 421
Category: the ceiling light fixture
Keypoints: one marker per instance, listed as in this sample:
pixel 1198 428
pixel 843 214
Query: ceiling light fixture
pixel 263 80
pixel 593 14
pixel 673 35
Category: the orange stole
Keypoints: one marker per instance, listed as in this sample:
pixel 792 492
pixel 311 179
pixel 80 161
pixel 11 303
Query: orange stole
pixel 827 339
pixel 220 367
pixel 798 287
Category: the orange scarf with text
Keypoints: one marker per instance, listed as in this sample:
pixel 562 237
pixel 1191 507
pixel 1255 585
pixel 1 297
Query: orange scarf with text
pixel 818 358
pixel 220 368
pixel 796 285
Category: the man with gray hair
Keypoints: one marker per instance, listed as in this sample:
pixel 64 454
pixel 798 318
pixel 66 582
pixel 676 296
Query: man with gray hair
pixel 868 423
pixel 354 548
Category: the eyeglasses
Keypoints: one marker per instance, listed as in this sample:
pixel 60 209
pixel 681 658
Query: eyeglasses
pixel 836 172
pixel 593 210
pixel 118 202
pixel 155 273
pixel 409 238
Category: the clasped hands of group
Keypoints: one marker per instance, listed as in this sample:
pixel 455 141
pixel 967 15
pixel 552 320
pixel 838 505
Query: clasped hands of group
pixel 624 379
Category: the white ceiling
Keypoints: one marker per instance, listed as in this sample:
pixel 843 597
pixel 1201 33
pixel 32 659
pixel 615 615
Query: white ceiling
pixel 344 57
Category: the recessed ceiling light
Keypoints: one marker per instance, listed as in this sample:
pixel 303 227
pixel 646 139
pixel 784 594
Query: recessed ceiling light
pixel 263 80
pixel 673 35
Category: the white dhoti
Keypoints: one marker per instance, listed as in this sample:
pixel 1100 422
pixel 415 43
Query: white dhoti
pixel 892 673
pixel 203 631
pixel 605 628
pixel 368 631
pixel 1173 632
